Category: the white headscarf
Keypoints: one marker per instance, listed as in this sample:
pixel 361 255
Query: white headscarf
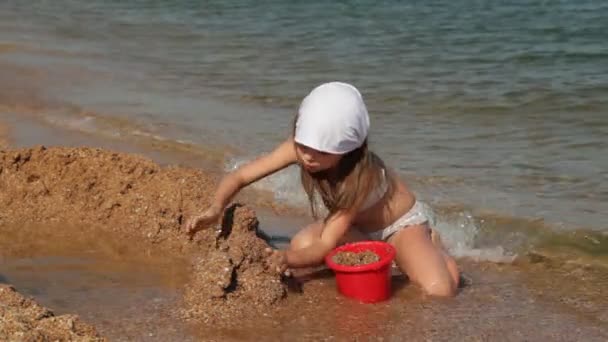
pixel 333 118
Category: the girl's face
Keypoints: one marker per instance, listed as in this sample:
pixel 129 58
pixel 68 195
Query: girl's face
pixel 315 161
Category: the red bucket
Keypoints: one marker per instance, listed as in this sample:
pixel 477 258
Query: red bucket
pixel 368 283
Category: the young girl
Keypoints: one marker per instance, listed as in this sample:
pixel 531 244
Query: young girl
pixel 364 199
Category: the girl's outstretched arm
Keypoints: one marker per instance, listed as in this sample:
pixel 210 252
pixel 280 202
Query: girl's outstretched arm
pixel 281 157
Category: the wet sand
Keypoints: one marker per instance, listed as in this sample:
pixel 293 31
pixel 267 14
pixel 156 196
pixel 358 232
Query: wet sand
pixel 22 319
pixel 494 307
pixel 127 290
pixel 89 214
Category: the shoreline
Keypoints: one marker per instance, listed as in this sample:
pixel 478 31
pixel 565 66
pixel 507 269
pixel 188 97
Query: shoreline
pixel 467 231
pixel 24 132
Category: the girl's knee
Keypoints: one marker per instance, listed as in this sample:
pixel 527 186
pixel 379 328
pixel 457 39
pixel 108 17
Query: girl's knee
pixel 444 282
pixel 440 287
pixel 305 237
pixel 300 241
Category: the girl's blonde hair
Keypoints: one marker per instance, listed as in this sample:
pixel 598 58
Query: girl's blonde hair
pixel 357 175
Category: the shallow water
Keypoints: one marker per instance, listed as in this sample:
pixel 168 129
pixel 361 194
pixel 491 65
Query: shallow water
pixel 124 302
pixel 497 107
pixel 126 292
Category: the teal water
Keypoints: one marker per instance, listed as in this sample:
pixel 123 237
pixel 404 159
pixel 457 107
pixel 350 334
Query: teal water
pixel 495 107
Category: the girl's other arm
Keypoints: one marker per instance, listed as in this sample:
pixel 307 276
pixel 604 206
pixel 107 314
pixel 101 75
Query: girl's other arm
pixel 335 228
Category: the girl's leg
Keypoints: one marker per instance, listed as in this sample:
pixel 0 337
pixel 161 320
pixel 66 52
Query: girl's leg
pixel 307 236
pixel 425 262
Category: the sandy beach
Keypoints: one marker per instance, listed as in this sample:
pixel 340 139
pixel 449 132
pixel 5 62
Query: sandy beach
pixel 25 320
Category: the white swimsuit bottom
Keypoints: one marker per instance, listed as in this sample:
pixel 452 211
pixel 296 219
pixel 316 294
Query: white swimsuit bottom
pixel 418 214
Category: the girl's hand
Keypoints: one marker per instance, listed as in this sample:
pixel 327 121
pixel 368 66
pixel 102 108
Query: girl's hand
pixel 277 261
pixel 198 222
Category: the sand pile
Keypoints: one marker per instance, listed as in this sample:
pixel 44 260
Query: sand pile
pixel 355 259
pixel 21 319
pixel 134 198
pixel 232 273
pixel 127 194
